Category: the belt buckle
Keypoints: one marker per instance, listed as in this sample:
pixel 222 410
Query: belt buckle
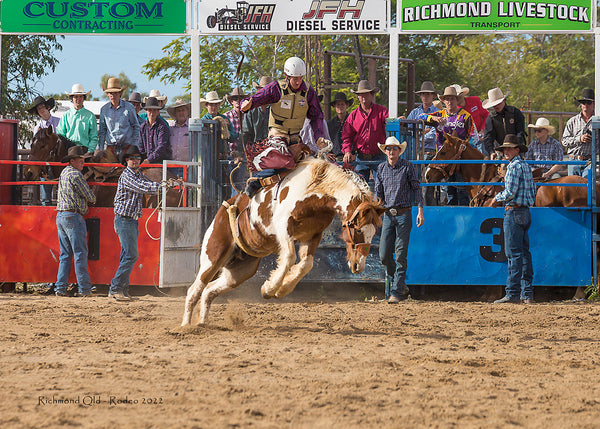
pixel 393 211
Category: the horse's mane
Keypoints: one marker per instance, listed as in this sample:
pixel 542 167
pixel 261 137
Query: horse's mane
pixel 327 177
pixel 66 141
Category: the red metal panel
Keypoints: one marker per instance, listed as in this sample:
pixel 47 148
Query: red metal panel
pixel 29 248
pixel 8 150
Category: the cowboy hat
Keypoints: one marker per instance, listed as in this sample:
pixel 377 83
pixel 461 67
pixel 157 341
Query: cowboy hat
pixel 263 81
pixel 449 91
pixel 588 95
pixel 438 104
pixel 211 97
pixel 76 152
pixel 426 86
pixel 543 123
pixel 77 89
pixel 392 141
pixel 364 86
pixel 156 94
pixel 511 140
pixel 49 103
pixel 495 97
pixel 113 85
pixel 460 91
pixel 131 150
pixel 135 97
pixel 237 93
pixel 151 103
pixel 340 96
pixel 178 103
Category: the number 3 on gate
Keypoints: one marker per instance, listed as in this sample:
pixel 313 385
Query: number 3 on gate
pixel 487 227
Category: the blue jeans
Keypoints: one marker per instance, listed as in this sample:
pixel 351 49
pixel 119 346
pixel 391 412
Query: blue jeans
pixel 395 233
pixel 46 190
pixel 72 237
pixel 364 169
pixel 128 232
pixel 457 195
pixel 516 242
pixel 579 170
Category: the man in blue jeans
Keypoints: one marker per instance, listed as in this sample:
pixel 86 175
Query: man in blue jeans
pixel 128 209
pixel 74 194
pixel 517 197
pixel 396 184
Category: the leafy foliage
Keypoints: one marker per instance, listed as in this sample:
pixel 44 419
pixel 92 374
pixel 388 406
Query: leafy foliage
pixel 25 59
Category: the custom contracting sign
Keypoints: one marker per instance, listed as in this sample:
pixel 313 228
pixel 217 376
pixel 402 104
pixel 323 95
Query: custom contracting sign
pixel 101 16
pixel 435 16
pixel 293 16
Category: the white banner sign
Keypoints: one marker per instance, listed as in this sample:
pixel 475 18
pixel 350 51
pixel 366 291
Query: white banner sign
pixel 293 17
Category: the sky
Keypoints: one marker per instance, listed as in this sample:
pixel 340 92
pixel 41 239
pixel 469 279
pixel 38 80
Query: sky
pixel 84 59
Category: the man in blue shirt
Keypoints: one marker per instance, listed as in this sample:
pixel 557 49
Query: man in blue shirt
pixel 119 126
pixel 396 184
pixel 517 197
pixel 427 94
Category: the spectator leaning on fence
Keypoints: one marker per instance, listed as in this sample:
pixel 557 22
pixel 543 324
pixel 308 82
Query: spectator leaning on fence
pixel 503 120
pixel 79 124
pixel 577 136
pixel 544 148
pixel 119 127
pixel 364 130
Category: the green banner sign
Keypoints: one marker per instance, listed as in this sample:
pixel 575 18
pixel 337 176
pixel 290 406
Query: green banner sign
pixel 93 17
pixel 435 16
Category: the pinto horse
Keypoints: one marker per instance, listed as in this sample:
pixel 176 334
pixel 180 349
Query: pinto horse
pixel 456 149
pixel 296 210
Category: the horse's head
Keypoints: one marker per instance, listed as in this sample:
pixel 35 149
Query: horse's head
pixel 451 150
pixel 44 147
pixel 358 230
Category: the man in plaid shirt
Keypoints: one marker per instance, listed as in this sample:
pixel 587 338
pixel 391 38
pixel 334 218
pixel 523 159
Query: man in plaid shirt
pixel 74 194
pixel 128 209
pixel 545 147
pixel 517 197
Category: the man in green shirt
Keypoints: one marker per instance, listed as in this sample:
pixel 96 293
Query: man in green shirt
pixel 79 124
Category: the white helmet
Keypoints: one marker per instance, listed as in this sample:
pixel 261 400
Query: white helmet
pixel 294 67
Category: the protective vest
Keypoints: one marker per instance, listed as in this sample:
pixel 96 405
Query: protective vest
pixel 288 114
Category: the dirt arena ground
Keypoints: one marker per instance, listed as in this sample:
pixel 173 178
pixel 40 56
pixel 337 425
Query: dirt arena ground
pixel 311 361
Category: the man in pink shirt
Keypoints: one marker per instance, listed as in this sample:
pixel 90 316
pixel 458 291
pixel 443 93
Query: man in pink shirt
pixel 363 130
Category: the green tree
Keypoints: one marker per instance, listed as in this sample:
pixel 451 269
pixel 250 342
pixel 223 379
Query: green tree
pixel 125 82
pixel 25 59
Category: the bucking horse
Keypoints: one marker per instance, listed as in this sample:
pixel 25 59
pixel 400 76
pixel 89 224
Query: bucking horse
pixel 296 210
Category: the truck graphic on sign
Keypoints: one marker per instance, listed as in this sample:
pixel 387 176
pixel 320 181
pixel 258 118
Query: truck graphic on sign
pixel 229 16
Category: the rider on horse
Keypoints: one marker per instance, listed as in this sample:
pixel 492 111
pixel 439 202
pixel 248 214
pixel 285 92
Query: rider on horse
pixel 291 101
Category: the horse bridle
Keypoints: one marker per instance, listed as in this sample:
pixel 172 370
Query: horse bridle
pixel 362 248
pixel 442 167
pixel 52 156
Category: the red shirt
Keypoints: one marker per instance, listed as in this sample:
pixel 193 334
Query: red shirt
pixel 362 132
pixel 478 113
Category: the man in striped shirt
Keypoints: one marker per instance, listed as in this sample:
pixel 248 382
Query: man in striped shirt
pixel 128 209
pixel 72 204
pixel 396 184
pixel 517 197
